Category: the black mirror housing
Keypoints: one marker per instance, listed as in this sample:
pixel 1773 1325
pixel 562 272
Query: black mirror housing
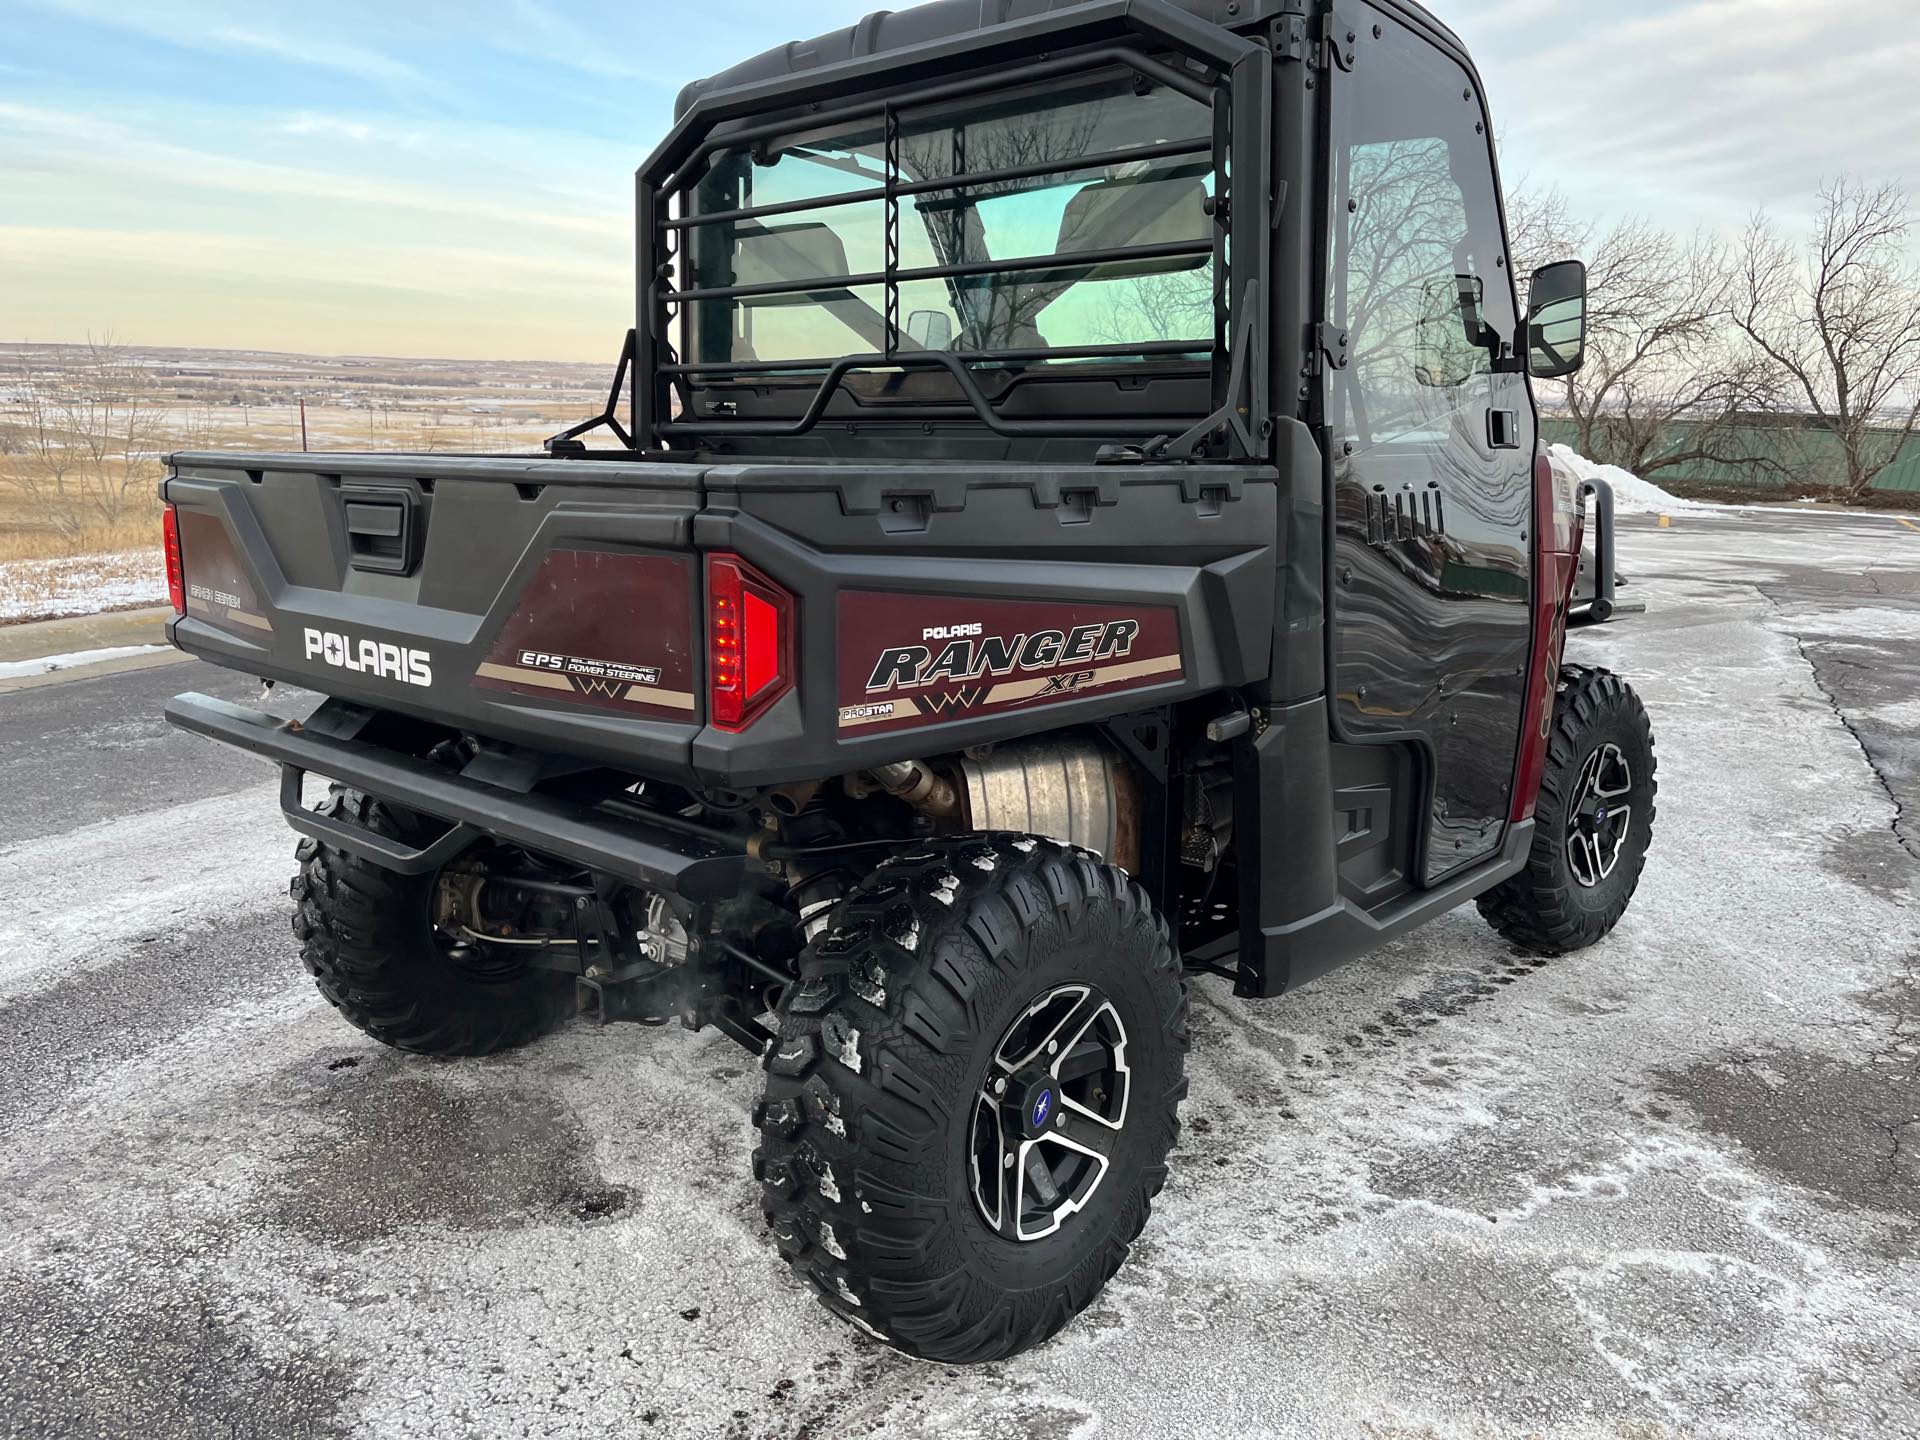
pixel 1556 328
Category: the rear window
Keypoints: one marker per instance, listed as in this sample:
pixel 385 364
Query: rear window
pixel 1032 227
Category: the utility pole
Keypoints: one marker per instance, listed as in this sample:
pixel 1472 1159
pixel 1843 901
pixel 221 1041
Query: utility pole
pixel 303 424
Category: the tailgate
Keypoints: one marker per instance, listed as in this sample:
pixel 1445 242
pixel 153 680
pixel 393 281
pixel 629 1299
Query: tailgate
pixel 548 602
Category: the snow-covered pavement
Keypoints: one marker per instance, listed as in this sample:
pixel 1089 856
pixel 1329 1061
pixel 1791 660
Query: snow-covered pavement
pixel 75 660
pixel 1667 1188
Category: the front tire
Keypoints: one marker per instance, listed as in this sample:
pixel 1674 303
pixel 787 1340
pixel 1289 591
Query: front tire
pixel 1593 823
pixel 366 935
pixel 913 1066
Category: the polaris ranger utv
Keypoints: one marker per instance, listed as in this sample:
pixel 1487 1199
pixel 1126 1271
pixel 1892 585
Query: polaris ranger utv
pixel 1078 524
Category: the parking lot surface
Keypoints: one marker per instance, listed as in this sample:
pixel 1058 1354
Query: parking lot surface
pixel 1666 1188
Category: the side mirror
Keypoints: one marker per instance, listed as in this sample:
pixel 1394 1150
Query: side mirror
pixel 1557 323
pixel 930 329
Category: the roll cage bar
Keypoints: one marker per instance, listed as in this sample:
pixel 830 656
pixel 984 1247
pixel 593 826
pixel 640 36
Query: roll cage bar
pixel 1234 78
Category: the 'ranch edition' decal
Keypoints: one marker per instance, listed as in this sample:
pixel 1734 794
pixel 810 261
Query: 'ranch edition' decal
pixel 910 660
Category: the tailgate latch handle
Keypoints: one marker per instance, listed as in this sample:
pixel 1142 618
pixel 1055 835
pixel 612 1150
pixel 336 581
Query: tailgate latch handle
pixel 381 530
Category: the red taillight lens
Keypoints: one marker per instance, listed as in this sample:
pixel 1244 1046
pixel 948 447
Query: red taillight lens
pixel 176 573
pixel 749 642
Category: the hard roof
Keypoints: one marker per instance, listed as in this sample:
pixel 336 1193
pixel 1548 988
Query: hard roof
pixel 942 19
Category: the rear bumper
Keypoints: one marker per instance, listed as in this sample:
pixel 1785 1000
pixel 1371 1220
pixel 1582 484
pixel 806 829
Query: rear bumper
pixel 653 856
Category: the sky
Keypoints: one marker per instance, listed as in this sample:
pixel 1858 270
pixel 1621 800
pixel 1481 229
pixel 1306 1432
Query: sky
pixel 454 177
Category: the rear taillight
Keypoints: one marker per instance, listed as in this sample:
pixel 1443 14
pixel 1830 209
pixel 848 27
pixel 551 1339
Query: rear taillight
pixel 1555 535
pixel 176 572
pixel 749 642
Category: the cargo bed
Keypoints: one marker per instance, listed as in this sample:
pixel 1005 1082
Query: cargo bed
pixel 564 604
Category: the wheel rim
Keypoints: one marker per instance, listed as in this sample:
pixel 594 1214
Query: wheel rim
pixel 1600 824
pixel 1049 1113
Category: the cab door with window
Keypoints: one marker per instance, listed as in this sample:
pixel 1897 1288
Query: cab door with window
pixel 1431 434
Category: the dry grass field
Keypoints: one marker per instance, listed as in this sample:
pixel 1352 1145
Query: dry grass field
pixel 84 430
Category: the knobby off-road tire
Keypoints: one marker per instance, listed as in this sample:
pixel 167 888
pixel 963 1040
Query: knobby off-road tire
pixel 1564 902
pixel 867 1152
pixel 367 936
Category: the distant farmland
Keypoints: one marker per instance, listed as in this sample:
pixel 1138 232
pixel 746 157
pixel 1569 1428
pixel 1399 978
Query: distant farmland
pixel 84 428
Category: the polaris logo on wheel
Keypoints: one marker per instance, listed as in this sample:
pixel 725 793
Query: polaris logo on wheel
pixel 370 657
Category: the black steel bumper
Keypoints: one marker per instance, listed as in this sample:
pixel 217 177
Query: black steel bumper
pixel 652 856
pixel 1595 589
pixel 1605 576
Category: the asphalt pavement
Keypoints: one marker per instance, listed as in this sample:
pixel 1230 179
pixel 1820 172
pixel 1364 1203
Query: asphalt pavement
pixel 1667 1188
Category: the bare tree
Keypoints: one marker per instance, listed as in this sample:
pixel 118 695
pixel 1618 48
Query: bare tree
pixel 115 419
pixel 1177 306
pixel 1542 228
pixel 48 480
pixel 1662 387
pixel 91 441
pixel 997 312
pixel 1840 320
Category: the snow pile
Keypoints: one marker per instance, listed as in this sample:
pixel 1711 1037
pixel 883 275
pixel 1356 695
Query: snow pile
pixel 81 585
pixel 1631 494
pixel 46 664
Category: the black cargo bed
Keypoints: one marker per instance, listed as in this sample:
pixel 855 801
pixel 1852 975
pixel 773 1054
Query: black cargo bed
pixel 561 604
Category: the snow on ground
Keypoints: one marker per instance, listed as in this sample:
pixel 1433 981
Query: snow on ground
pixel 46 664
pixel 1631 494
pixel 1652 1192
pixel 81 585
pixel 187 863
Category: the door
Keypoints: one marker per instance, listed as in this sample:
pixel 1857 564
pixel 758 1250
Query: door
pixel 1431 437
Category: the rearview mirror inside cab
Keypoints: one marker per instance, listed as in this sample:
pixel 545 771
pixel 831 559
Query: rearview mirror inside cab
pixel 1453 341
pixel 930 329
pixel 1557 321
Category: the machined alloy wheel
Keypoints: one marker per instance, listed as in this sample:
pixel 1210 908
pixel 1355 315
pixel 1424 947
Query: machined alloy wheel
pixel 1050 1112
pixel 1593 820
pixel 1602 816
pixel 976 1085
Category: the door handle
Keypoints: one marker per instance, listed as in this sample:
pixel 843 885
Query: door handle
pixel 1503 429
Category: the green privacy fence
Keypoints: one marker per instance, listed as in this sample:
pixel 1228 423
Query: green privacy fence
pixel 1809 457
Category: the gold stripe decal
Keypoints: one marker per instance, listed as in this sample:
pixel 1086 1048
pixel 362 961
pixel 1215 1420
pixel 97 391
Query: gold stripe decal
pixel 514 675
pixel 219 613
pixel 547 680
pixel 672 699
pixel 1072 684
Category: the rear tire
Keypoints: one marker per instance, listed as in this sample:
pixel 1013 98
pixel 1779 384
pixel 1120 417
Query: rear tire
pixel 366 934
pixel 941 976
pixel 1593 823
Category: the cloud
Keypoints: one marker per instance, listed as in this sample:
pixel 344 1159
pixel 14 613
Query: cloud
pixel 307 50
pixel 308 123
pixel 224 26
pixel 77 144
pixel 502 134
pixel 1699 111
